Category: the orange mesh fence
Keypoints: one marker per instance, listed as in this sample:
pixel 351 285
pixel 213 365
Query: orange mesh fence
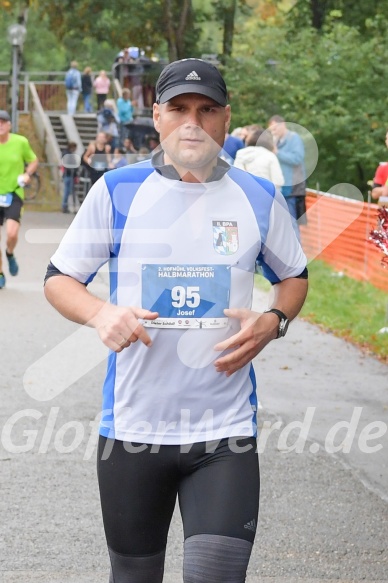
pixel 337 232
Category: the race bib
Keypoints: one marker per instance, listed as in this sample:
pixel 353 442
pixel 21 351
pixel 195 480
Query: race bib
pixel 6 199
pixel 186 296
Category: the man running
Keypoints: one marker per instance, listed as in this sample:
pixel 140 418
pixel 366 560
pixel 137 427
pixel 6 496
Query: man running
pixel 18 162
pixel 182 234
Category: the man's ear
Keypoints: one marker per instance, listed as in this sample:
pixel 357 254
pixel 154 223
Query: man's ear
pixel 156 117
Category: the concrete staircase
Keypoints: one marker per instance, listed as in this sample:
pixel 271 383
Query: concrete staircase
pixel 81 129
pixel 59 130
pixel 86 124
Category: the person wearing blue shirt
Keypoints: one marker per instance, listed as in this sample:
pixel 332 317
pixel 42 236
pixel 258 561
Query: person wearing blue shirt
pixel 73 86
pixel 232 145
pixel 125 111
pixel 290 153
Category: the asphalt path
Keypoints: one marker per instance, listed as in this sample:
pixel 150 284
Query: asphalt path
pixel 323 445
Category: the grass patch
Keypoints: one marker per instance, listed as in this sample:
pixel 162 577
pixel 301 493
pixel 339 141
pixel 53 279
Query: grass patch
pixel 348 308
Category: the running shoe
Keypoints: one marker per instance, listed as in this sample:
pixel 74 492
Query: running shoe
pixel 2 280
pixel 12 264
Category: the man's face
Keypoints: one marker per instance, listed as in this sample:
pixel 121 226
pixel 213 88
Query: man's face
pixel 277 129
pixel 5 127
pixel 192 130
pixel 386 139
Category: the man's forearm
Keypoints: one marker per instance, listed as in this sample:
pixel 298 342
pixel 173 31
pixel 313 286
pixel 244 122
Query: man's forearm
pixel 289 296
pixel 72 299
pixel 32 167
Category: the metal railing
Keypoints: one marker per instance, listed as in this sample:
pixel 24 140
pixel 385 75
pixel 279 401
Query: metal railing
pixel 50 87
pixel 46 135
pixel 49 84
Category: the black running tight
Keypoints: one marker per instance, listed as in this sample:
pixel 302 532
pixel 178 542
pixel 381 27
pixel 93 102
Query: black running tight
pixel 217 485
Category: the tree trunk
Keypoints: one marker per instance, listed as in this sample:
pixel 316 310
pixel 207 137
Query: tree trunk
pixel 318 11
pixel 229 15
pixel 176 20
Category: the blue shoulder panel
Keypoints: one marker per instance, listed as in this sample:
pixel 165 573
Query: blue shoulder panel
pixel 260 193
pixel 123 184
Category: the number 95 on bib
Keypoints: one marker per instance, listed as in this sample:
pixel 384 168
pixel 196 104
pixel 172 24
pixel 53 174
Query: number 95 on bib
pixel 186 296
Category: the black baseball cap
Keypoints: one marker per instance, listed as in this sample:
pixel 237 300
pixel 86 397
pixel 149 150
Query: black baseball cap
pixel 191 76
pixel 4 115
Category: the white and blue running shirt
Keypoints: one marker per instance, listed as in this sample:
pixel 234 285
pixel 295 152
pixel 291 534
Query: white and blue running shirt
pixel 187 251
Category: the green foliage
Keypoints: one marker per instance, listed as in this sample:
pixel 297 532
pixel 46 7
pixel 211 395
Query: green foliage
pixel 329 83
pixel 119 23
pixel 322 13
pixel 348 308
pixel 112 25
pixel 43 51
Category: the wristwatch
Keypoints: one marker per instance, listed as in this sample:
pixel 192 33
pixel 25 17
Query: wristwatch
pixel 283 322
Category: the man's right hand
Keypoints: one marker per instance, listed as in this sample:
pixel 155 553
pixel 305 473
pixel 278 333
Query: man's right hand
pixel 119 327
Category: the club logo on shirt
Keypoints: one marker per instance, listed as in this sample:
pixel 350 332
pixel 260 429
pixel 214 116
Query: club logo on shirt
pixel 225 237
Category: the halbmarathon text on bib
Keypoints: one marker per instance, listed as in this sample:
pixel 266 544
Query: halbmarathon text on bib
pixel 186 296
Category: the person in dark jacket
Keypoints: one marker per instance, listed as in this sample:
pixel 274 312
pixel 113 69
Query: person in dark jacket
pixel 87 86
pixel 70 165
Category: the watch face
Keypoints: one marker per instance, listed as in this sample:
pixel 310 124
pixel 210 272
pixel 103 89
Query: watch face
pixel 283 327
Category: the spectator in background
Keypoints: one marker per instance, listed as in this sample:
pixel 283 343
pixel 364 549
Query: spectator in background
pixel 152 142
pixel 101 86
pixel 119 158
pixel 73 86
pixel 121 67
pixel 232 145
pixel 136 80
pixel 380 177
pixel 144 154
pixel 97 157
pixel 240 132
pixel 70 167
pixel 130 151
pixel 289 149
pixel 125 113
pixel 108 121
pixel 258 157
pixel 87 87
pixel 129 147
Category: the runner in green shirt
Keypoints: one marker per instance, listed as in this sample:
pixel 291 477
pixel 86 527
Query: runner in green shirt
pixel 17 164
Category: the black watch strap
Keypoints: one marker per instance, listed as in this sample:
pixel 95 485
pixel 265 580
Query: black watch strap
pixel 283 321
pixel 281 315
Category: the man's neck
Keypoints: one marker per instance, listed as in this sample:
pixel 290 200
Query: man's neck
pixel 168 170
pixel 192 174
pixel 4 139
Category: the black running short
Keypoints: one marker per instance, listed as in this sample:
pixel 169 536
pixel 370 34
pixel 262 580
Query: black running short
pixel 14 211
pixel 217 484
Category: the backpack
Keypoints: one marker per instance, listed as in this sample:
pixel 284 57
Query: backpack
pixel 71 79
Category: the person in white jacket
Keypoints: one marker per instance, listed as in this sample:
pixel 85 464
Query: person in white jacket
pixel 258 157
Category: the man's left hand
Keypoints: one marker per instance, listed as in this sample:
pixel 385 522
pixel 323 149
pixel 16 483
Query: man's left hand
pixel 257 330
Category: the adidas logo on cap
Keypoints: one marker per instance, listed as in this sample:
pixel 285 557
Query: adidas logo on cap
pixel 193 76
